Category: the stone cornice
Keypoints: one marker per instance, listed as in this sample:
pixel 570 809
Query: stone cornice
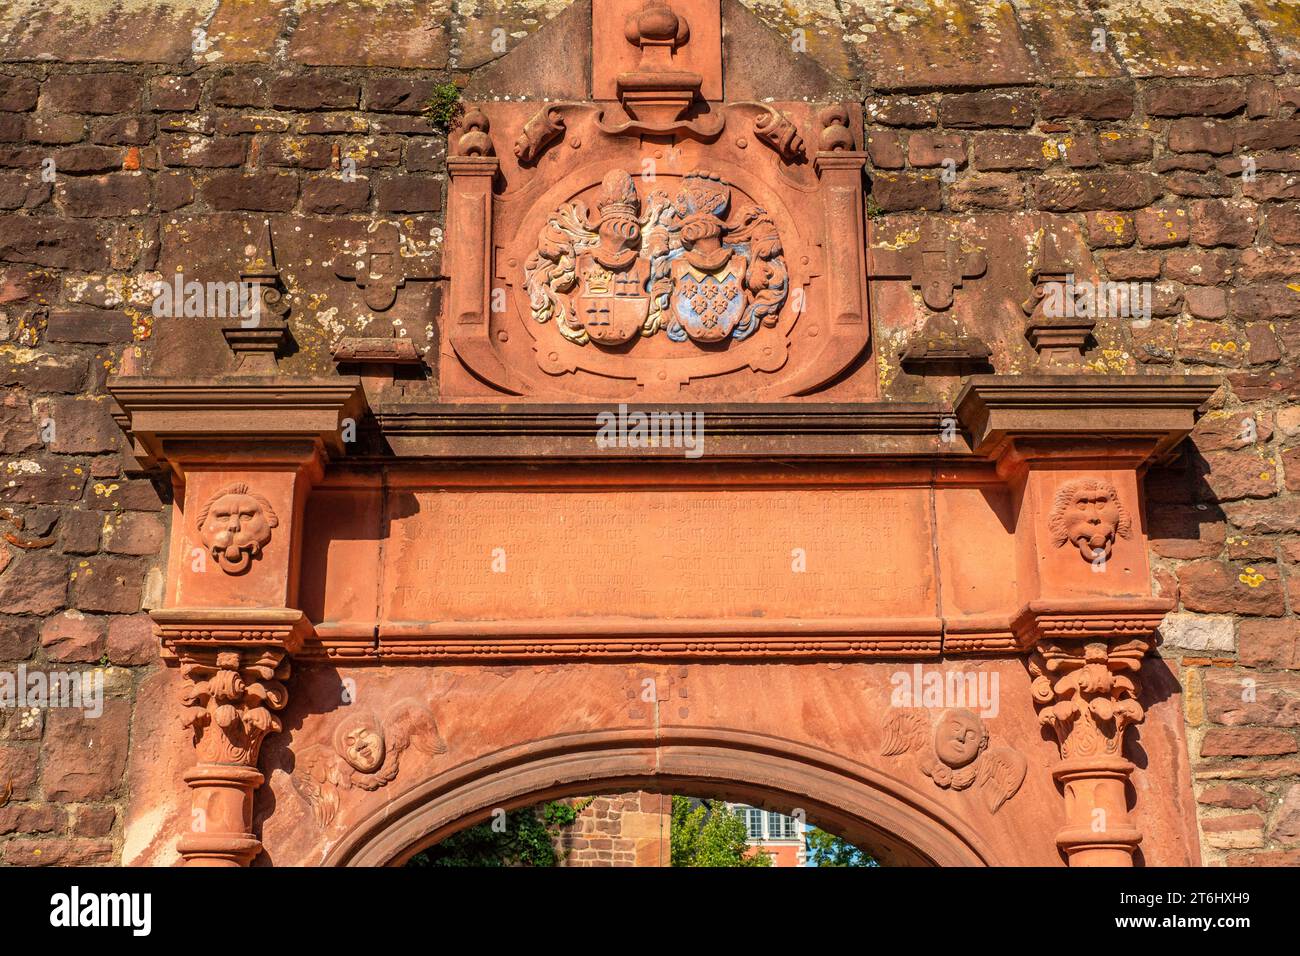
pixel 1141 417
pixel 1090 619
pixel 732 430
pixel 1000 417
pixel 199 628
pixel 162 415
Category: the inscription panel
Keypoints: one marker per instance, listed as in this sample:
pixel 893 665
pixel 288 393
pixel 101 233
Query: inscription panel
pixel 760 554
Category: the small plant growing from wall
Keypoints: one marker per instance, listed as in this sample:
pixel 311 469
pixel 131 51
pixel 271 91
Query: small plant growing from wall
pixel 445 105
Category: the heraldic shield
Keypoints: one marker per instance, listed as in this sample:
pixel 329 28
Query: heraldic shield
pixel 671 263
pixel 707 306
pixel 612 307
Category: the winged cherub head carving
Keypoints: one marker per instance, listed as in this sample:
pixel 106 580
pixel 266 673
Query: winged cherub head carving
pixel 366 754
pixel 955 753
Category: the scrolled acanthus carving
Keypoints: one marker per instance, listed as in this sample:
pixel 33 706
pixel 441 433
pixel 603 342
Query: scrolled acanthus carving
pixel 1088 694
pixel 545 127
pixel 775 129
pixel 230 697
pixel 1088 514
pixel 957 753
pixel 235 527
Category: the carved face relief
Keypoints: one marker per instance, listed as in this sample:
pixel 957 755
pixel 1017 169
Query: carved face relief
pixel 959 738
pixel 235 525
pixel 1088 514
pixel 366 755
pixel 360 741
pixel 960 754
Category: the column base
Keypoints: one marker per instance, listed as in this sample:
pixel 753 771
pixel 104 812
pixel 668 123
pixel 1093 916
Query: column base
pixel 222 796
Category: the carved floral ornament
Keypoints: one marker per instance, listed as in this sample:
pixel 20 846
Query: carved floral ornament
pixel 235 526
pixel 956 753
pixel 230 697
pixel 1088 695
pixel 1088 514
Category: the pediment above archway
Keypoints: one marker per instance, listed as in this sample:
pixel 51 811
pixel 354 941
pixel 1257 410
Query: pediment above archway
pixel 661 240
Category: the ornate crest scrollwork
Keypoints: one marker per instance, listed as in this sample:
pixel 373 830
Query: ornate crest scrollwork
pixel 655 241
pixel 642 265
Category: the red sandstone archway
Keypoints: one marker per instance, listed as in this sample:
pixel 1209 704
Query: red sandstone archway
pixel 473 551
pixel 900 826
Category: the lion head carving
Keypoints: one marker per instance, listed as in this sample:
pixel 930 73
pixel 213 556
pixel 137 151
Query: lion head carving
pixel 235 525
pixel 1087 513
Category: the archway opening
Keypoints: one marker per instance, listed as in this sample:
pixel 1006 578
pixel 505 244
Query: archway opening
pixel 645 829
pixel 898 825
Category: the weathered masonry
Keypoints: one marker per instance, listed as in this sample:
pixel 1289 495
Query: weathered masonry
pixel 789 412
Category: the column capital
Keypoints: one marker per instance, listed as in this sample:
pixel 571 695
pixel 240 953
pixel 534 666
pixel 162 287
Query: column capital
pixel 235 664
pixel 1086 689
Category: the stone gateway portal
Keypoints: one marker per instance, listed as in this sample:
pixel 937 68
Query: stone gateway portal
pixel 660 397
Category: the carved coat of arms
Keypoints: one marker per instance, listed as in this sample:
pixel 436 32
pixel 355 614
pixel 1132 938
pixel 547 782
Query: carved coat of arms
pixel 678 264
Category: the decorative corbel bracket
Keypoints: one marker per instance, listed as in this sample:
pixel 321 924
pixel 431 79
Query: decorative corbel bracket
pixel 1131 420
pixel 172 420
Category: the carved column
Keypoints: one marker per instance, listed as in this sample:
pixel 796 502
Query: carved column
pixel 235 665
pixel 1073 450
pixel 229 620
pixel 1086 689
